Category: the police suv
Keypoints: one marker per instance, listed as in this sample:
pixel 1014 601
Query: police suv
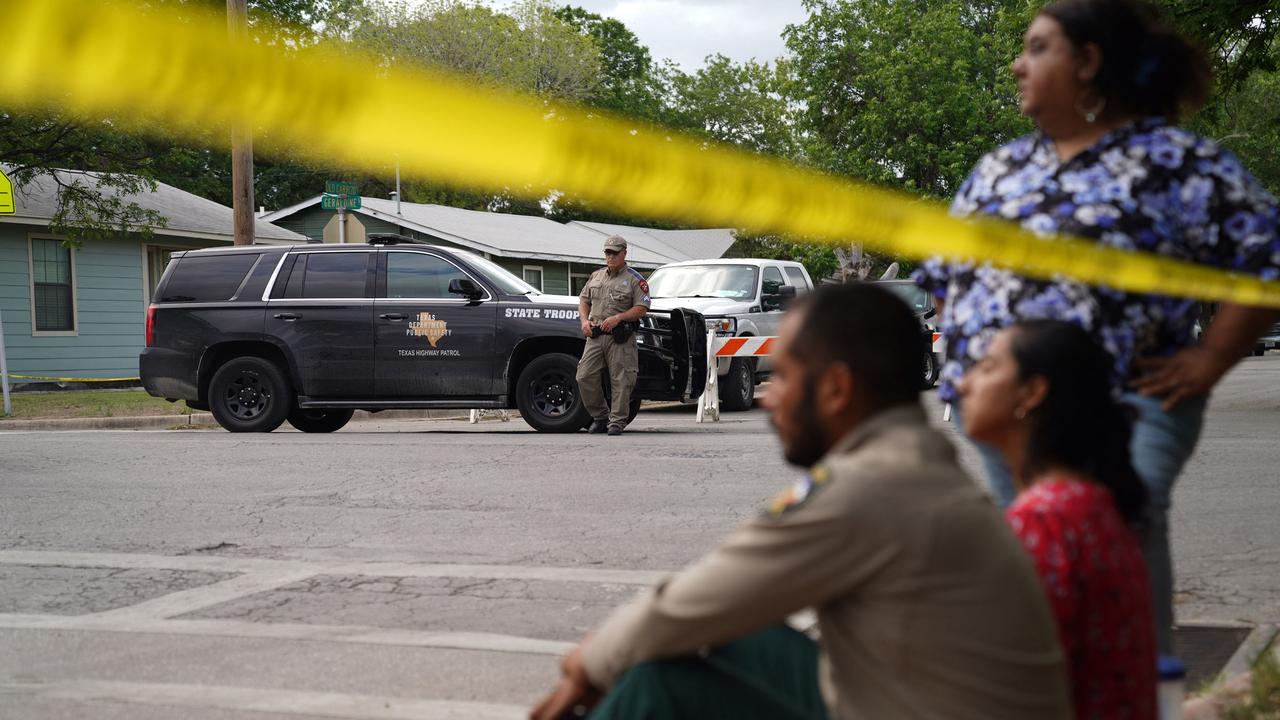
pixel 310 333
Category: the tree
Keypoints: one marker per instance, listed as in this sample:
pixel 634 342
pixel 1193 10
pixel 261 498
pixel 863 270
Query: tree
pixel 745 104
pixel 907 93
pixel 630 86
pixel 1240 35
pixel 529 49
pixel 89 206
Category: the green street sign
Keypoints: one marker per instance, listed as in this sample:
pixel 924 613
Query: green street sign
pixel 345 202
pixel 339 187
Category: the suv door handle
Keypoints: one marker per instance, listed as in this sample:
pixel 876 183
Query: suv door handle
pixel 287 316
pixel 393 316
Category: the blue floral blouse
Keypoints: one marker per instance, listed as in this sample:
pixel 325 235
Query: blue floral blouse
pixel 1147 186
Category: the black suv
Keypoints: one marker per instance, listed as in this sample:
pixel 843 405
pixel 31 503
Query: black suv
pixel 310 333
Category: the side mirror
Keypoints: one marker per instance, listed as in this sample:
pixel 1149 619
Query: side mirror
pixel 466 287
pixel 775 297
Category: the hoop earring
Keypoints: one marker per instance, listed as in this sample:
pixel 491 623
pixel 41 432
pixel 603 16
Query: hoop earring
pixel 1090 114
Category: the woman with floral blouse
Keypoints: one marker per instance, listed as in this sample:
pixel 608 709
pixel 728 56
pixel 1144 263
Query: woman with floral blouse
pixel 1103 80
pixel 1041 396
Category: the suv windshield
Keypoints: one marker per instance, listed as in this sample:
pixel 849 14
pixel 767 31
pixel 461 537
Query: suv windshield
pixel 916 297
pixel 721 281
pixel 498 275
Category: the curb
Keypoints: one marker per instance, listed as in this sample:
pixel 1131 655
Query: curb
pixel 1258 642
pixel 201 420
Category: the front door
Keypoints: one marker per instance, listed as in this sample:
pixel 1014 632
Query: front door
pixel 431 344
pixel 323 314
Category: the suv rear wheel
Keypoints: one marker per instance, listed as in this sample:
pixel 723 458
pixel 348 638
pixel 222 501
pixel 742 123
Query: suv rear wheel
pixel 250 394
pixel 324 420
pixel 547 394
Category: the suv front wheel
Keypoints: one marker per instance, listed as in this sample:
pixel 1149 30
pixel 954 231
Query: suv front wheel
pixel 250 394
pixel 547 394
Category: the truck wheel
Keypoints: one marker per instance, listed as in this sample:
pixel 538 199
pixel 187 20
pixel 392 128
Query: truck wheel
pixel 324 420
pixel 547 394
pixel 738 389
pixel 931 369
pixel 250 394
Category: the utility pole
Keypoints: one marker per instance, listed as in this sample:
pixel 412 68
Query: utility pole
pixel 241 143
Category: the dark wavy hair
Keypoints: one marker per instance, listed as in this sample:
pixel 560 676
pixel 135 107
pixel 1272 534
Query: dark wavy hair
pixel 1148 67
pixel 1079 426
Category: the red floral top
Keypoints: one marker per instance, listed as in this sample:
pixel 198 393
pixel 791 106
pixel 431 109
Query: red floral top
pixel 1091 565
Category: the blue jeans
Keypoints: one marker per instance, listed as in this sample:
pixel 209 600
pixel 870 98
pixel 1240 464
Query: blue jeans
pixel 1162 443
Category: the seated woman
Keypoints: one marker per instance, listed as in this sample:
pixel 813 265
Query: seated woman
pixel 1042 396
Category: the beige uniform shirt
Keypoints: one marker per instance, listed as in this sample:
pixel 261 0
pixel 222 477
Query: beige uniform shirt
pixel 928 606
pixel 612 294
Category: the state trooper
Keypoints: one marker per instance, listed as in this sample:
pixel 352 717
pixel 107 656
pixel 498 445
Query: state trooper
pixel 610 307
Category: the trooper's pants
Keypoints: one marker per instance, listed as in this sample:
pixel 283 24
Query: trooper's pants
pixel 623 363
pixel 771 675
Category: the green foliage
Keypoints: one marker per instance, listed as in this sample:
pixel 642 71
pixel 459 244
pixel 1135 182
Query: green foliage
pixel 907 93
pixel 1240 35
pixel 630 85
pixel 1263 701
pixel 89 206
pixel 529 48
pixel 745 104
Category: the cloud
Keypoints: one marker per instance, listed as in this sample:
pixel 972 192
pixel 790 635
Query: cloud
pixel 687 31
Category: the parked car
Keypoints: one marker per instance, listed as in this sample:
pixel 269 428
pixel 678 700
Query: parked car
pixel 739 297
pixel 310 333
pixel 926 310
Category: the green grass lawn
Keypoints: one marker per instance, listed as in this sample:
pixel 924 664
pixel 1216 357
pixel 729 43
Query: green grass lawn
pixel 90 403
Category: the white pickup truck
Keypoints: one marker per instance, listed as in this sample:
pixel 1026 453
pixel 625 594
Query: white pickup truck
pixel 739 297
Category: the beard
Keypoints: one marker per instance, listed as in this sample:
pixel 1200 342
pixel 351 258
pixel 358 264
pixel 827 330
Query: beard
pixel 809 444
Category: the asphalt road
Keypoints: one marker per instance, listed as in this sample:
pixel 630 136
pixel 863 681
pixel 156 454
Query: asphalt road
pixel 435 568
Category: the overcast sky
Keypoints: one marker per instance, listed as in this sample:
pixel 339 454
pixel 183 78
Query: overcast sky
pixel 687 31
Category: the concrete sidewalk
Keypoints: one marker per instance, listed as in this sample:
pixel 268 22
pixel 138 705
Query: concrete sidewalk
pixel 202 421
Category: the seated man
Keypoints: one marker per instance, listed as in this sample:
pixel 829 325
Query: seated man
pixel 927 605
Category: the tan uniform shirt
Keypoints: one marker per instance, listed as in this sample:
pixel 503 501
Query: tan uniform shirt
pixel 612 294
pixel 928 607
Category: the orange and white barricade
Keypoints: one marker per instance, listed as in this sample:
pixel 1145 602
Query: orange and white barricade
pixel 726 347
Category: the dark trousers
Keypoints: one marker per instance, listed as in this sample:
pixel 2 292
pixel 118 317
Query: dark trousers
pixel 771 675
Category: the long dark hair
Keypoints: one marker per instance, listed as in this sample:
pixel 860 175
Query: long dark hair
pixel 1079 426
pixel 1148 67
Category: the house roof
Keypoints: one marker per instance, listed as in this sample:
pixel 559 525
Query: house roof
pixel 187 215
pixel 675 244
pixel 529 236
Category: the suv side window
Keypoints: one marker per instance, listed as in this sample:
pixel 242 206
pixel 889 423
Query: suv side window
pixel 328 276
pixel 797 279
pixel 419 275
pixel 213 278
pixel 772 280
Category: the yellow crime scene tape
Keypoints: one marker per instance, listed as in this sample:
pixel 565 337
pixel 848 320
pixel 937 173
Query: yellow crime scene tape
pixel 181 71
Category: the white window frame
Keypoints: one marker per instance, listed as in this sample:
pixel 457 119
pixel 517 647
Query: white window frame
pixel 146 266
pixel 585 276
pixel 31 286
pixel 542 276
